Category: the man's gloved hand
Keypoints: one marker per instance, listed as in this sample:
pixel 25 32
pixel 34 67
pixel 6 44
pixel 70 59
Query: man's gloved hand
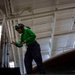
pixel 24 41
pixel 12 42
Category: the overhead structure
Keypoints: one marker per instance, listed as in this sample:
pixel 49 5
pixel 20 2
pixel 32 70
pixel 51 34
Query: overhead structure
pixel 53 22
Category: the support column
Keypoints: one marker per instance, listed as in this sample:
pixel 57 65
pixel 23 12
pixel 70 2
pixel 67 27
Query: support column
pixel 11 35
pixel 5 45
pixel 53 31
pixel 5 57
pixel 3 49
pixel 8 44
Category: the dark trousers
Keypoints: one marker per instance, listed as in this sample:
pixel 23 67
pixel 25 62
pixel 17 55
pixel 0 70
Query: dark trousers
pixel 33 52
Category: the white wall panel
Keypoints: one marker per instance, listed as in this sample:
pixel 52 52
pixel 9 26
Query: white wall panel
pixel 44 43
pixel 64 25
pixel 71 39
pixel 45 34
pixel 59 41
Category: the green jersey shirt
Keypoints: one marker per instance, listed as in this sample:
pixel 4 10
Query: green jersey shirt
pixel 27 35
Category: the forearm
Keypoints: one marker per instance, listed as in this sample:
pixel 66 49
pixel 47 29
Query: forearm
pixel 18 44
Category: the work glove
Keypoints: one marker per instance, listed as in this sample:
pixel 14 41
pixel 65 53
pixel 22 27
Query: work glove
pixel 12 42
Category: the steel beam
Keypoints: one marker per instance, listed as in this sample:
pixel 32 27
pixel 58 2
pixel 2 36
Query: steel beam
pixel 51 12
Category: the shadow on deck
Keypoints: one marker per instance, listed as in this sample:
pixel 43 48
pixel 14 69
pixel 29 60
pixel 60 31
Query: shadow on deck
pixel 60 64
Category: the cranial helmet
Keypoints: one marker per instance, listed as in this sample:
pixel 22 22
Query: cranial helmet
pixel 19 26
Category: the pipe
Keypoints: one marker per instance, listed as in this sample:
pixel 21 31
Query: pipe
pixel 6 7
pixel 2 12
